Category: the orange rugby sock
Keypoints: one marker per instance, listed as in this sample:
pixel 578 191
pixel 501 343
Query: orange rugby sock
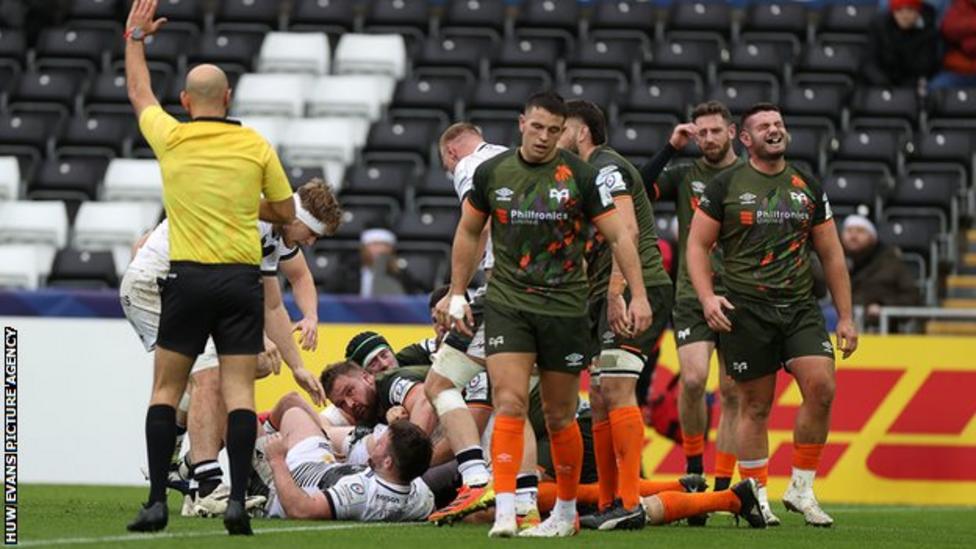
pixel 679 505
pixel 567 458
pixel 506 452
pixel 724 464
pixel 627 427
pixel 547 496
pixel 606 463
pixel 652 487
pixel 807 456
pixel 760 472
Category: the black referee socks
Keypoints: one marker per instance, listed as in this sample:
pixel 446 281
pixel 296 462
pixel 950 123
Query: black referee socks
pixel 241 433
pixel 160 442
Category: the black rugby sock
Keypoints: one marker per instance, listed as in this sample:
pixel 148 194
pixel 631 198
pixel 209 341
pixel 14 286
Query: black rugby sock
pixel 241 433
pixel 160 442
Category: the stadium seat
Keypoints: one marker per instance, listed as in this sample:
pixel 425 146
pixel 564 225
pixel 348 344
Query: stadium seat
pixel 314 141
pixel 539 52
pixel 685 54
pixel 170 45
pixel 871 145
pixel 932 190
pixel 49 86
pixel 434 223
pixel 428 267
pixel 498 127
pixel 855 192
pixel 19 267
pixel 182 10
pixel 96 133
pixel 271 95
pixel 404 133
pixel 39 222
pixel 807 144
pixel 435 183
pixel 361 213
pixel 246 14
pixel 271 128
pixel 102 225
pixel 831 57
pixel 382 175
pixel 663 93
pixel 883 102
pixel 431 90
pixel 13 44
pixel 303 52
pixel 94 9
pixel 359 95
pixel 821 100
pixel 739 91
pixel 757 55
pixel 371 54
pixel 9 178
pixel 916 235
pixel 27 129
pixel 641 136
pixel 700 16
pixel 602 91
pixel 316 15
pixel 503 92
pixel 608 50
pixel 68 178
pixel 456 50
pixel 76 43
pixel 783 17
pixel 398 15
pixel 626 16
pixel 107 90
pixel 227 47
pixel 83 269
pixel 950 145
pixel 549 14
pixel 480 14
pixel 133 179
pixel 847 17
pixel 328 266
pixel 332 172
pixel 954 103
pixel 9 75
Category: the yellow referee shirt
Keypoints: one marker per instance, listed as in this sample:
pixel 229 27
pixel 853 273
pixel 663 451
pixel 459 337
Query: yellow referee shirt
pixel 214 173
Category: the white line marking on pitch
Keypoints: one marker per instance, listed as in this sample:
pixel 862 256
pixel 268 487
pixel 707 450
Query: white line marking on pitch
pixel 185 535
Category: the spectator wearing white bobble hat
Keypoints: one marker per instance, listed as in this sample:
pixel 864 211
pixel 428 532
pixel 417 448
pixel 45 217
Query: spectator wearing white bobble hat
pixel 878 275
pixel 379 271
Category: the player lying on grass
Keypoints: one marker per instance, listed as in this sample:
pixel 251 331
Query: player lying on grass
pixel 309 483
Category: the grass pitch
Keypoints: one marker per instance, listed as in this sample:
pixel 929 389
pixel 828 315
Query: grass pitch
pixel 94 516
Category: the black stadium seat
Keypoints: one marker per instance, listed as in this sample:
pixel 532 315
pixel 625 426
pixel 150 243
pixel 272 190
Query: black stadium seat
pixel 498 127
pixel 327 266
pixel 237 48
pixel 529 52
pixel 101 131
pixel 83 269
pixel 190 11
pixel 700 56
pixel 948 145
pixel 739 91
pixel 435 183
pixel 831 57
pixel 813 100
pixel 870 145
pixel 436 223
pixel 883 102
pixel 755 55
pixel 503 93
pixel 404 133
pixel 607 51
pixel 926 190
pixel 910 234
pixel 96 9
pixel 549 14
pixel 954 103
pixel 27 129
pixel 67 42
pixel 482 14
pixel 48 86
pixel 659 95
pixel 299 175
pixel 68 178
pixel 602 91
pixel 361 213
pixel 431 91
pixel 381 178
pixel 847 17
pixel 429 268
pixel 701 16
pixel 455 50
pixel 247 13
pixel 640 136
pixel 853 191
pixel 13 44
pixel 785 17
pixel 636 16
pixel 315 15
pixel 397 14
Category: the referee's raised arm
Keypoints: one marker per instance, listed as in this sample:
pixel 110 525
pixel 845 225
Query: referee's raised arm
pixel 215 173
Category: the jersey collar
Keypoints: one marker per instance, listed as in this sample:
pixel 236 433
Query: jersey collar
pixel 216 119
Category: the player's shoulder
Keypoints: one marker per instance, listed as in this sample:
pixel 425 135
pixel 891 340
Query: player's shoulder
pixel 579 167
pixel 494 161
pixel 806 176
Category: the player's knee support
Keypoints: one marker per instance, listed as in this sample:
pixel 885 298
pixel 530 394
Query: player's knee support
pixel 620 363
pixel 448 401
pixel 454 365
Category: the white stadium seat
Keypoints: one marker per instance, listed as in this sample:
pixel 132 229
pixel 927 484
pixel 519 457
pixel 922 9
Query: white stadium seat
pixel 299 52
pixel 20 266
pixel 271 94
pixel 310 142
pixel 361 95
pixel 40 222
pixel 133 179
pixel 371 54
pixel 270 127
pixel 103 225
pixel 9 178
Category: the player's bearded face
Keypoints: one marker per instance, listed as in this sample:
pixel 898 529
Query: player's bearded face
pixel 356 396
pixel 541 131
pixel 714 137
pixel 767 136
pixel 569 140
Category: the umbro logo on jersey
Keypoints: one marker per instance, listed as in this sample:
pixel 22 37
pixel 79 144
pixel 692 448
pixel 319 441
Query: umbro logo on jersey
pixel 740 366
pixel 684 334
pixel 504 194
pixel 560 195
pixel 698 187
pixel 574 360
pixel 747 198
pixel 496 341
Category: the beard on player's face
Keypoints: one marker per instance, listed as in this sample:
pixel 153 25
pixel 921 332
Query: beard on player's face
pixel 715 152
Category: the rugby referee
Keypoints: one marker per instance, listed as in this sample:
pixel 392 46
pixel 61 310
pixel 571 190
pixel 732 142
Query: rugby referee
pixel 214 173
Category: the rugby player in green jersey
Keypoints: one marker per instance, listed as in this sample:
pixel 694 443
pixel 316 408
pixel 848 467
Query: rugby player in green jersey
pixel 766 215
pixel 684 183
pixel 541 201
pixel 618 427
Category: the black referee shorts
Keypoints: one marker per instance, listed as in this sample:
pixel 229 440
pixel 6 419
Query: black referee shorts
pixel 223 301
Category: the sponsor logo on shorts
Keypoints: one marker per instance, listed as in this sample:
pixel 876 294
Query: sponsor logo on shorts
pixel 504 194
pixel 574 360
pixel 608 336
pixel 496 341
pixel 684 333
pixel 740 366
pixel 747 198
pixel 698 187
pixel 828 347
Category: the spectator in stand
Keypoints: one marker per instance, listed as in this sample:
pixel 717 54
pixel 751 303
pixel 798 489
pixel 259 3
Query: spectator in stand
pixel 959 33
pixel 902 45
pixel 878 276
pixel 379 271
